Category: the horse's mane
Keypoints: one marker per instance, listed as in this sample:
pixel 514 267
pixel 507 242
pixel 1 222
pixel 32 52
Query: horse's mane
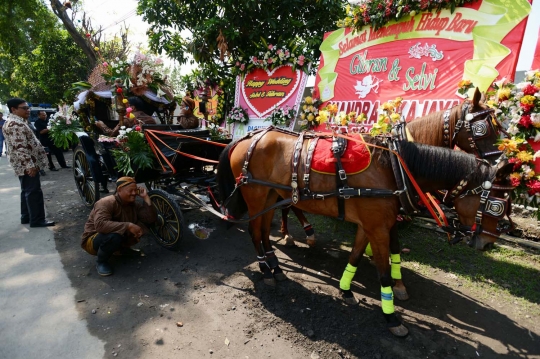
pixel 443 164
pixel 429 128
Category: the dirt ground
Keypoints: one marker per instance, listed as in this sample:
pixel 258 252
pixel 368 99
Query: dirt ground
pixel 214 288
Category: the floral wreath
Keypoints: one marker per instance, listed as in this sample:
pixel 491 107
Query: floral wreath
pixel 271 56
pixel 282 116
pixel 517 106
pixel 377 13
pixel 237 115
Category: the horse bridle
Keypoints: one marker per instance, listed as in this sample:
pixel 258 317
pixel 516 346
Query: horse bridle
pixel 491 206
pixel 477 127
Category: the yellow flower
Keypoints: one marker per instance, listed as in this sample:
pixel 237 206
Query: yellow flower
pixel 503 94
pixel 464 83
pixel 96 48
pixel 308 100
pixel 387 106
pixel 303 116
pixel 395 117
pixel 530 174
pixel 131 115
pixel 125 101
pixel 311 117
pixel 524 156
pixel 323 117
pixel 508 146
pixel 305 107
pixel 361 118
pixel 528 100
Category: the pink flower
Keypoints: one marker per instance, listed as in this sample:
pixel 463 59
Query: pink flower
pixel 105 64
pixel 514 181
pixel 269 61
pixel 242 67
pixel 270 47
pixel 237 63
pixel 138 128
pixel 159 61
pixel 301 60
pixel 68 121
pixel 278 51
pixel 129 110
pixel 517 163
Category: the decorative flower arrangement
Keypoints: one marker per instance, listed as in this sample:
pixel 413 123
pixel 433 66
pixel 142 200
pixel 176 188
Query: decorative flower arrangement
pixel 377 13
pixel 216 131
pixel 390 115
pixel 310 110
pixel 62 128
pixel 271 56
pixel 518 108
pixel 237 115
pixel 463 87
pixel 282 116
pixel 132 151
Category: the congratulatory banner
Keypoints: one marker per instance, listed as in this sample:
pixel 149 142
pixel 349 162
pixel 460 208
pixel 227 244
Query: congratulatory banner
pixel 422 58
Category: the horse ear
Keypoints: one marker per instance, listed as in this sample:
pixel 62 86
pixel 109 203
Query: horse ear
pixel 504 168
pixel 476 97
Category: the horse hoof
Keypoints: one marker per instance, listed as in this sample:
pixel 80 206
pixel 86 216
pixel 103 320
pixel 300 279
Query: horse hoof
pixel 350 300
pixel 280 277
pixel 399 331
pixel 270 281
pixel 289 241
pixel 400 293
pixel 310 240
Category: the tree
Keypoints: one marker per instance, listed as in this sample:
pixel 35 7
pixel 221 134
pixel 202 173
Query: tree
pixel 239 24
pixel 226 29
pixel 44 74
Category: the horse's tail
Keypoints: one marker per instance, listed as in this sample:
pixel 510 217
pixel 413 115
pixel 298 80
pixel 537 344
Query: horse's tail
pixel 226 183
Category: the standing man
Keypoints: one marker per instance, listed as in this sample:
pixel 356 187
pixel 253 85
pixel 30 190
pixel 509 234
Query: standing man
pixel 116 223
pixel 2 121
pixel 41 128
pixel 27 157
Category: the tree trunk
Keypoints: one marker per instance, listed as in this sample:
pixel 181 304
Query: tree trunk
pixel 60 11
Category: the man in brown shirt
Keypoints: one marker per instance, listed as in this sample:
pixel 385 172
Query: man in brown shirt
pixel 27 157
pixel 117 222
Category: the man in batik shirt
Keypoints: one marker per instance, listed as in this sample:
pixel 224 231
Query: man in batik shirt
pixel 27 157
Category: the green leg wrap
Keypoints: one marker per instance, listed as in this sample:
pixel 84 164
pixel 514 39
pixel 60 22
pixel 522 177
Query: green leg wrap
pixel 395 266
pixel 368 251
pixel 346 278
pixel 387 300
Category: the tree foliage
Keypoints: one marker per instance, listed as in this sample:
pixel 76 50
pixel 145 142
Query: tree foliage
pixel 235 28
pixel 241 22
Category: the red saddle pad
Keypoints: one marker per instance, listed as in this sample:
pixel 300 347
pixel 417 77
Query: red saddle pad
pixel 356 158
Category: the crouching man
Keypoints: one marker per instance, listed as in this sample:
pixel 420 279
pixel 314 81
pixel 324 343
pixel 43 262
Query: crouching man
pixel 114 225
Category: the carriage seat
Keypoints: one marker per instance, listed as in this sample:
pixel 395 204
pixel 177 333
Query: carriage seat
pixel 195 132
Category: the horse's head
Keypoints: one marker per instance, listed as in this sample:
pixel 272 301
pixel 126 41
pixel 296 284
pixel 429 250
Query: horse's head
pixel 477 129
pixel 482 207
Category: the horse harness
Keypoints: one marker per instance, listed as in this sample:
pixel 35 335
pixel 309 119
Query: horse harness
pixel 489 205
pixel 477 128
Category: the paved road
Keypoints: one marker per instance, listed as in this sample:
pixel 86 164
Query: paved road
pixel 38 318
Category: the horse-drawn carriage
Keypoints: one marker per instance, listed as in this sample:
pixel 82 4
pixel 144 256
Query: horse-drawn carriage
pixel 184 161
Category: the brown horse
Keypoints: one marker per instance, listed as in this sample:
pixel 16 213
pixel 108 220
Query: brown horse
pixel 470 126
pixel 256 170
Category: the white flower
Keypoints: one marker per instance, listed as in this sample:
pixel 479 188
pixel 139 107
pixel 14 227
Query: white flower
pixel 513 129
pixel 123 127
pixel 49 127
pixel 121 133
pixel 128 130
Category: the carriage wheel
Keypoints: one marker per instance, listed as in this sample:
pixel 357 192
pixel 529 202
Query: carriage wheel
pixel 168 230
pixel 84 180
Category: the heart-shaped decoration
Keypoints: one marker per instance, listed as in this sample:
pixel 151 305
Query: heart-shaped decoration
pixel 263 90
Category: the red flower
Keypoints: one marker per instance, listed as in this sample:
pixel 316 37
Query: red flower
pixel 88 35
pixel 530 89
pixel 534 187
pixel 515 181
pixel 138 128
pixel 525 121
pixel 517 163
pixel 119 90
pixel 526 108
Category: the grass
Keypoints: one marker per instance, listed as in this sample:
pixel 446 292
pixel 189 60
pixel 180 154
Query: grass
pixel 509 273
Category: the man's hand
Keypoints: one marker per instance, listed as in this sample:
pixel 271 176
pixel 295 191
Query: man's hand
pixel 32 172
pixel 144 195
pixel 135 230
